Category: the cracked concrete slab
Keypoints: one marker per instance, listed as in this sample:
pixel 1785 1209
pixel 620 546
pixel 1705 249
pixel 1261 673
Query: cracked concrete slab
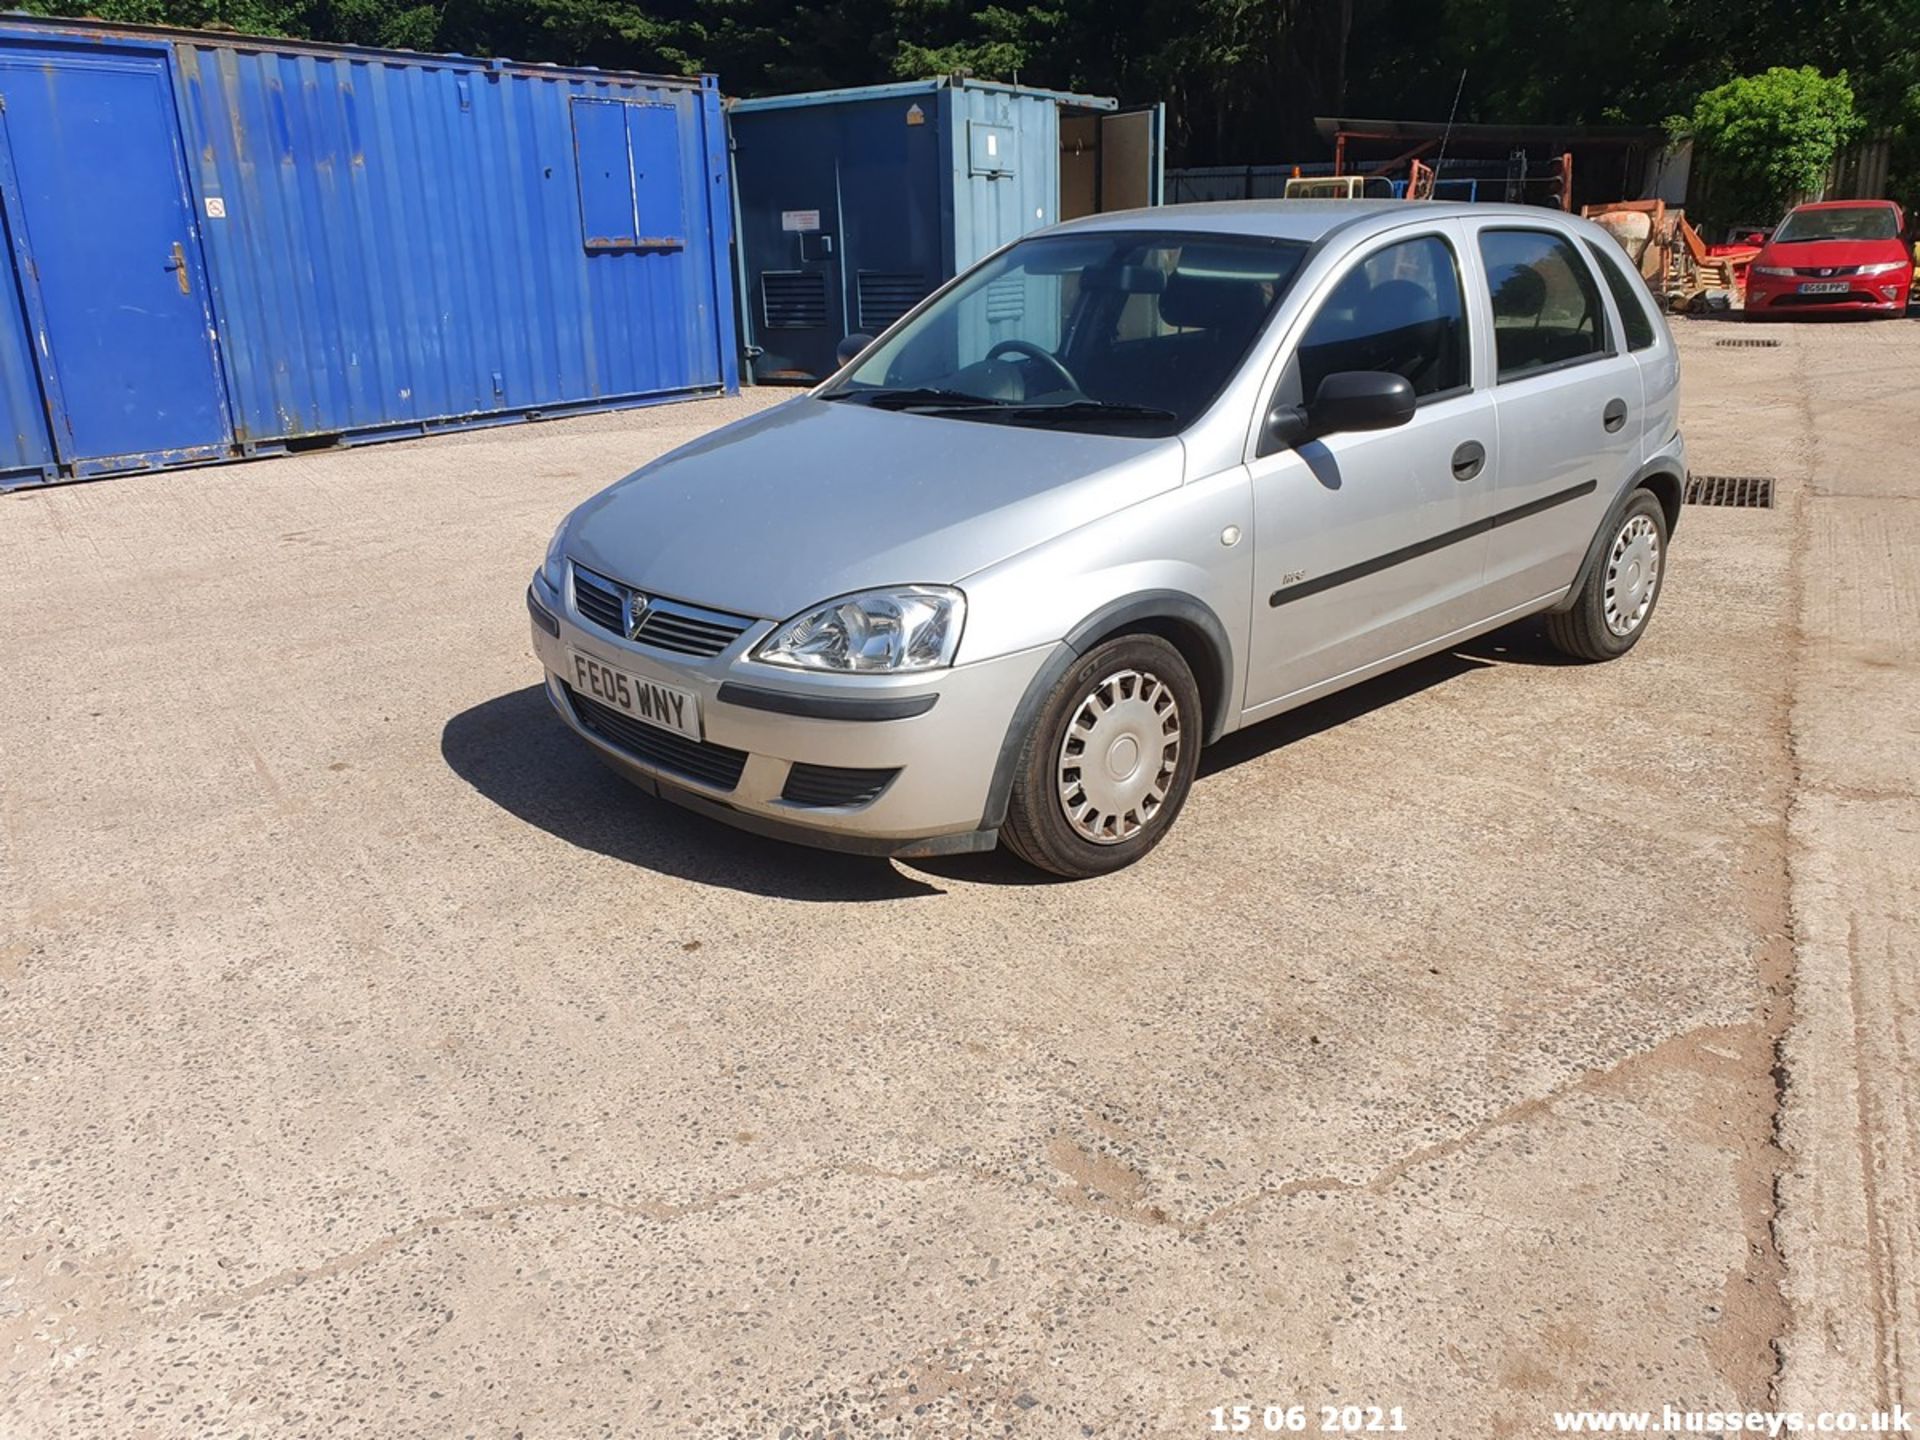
pixel 376 1064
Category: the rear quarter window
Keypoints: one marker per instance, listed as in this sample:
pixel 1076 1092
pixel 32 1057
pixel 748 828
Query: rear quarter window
pixel 1629 294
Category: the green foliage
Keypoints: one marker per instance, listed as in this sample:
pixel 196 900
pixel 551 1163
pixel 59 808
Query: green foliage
pixel 1243 79
pixel 1770 138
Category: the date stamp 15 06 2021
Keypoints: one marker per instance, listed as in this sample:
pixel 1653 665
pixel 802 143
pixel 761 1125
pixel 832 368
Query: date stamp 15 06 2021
pixel 1308 1419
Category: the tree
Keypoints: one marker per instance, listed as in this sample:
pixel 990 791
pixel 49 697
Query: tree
pixel 1770 138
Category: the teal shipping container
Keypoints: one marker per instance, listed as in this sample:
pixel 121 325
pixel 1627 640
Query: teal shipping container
pixel 221 246
pixel 854 205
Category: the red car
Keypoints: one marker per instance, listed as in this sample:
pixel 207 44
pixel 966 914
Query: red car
pixel 1841 255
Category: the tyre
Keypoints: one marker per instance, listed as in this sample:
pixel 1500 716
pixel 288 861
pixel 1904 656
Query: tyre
pixel 1108 762
pixel 1616 602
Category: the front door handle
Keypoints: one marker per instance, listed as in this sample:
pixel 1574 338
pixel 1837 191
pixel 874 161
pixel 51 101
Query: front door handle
pixel 1469 460
pixel 1615 415
pixel 178 264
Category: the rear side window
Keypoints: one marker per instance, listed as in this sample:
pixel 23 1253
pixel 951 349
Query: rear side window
pixel 1398 310
pixel 1629 294
pixel 1546 308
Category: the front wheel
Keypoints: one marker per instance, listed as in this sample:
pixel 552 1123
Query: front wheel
pixel 1616 602
pixel 1109 761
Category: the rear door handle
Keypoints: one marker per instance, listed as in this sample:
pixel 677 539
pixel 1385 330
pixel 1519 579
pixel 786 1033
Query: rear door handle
pixel 1469 460
pixel 1615 415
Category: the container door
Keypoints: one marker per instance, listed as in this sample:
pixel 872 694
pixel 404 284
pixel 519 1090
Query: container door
pixel 802 308
pixel 1132 157
pixel 103 234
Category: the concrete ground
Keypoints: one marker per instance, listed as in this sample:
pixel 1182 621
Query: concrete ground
pixel 1502 1037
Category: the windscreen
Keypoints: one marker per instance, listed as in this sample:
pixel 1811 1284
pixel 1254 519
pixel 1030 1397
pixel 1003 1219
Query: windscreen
pixel 1120 332
pixel 1865 222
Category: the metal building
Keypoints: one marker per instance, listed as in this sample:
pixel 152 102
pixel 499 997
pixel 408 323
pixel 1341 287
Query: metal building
pixel 225 246
pixel 855 204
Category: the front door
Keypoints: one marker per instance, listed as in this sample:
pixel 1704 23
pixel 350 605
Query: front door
pixel 1371 545
pixel 97 212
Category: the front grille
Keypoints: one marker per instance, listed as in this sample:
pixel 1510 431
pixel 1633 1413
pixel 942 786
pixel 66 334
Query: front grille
pixel 1826 272
pixel 822 785
pixel 793 299
pixel 667 626
pixel 600 602
pixel 671 625
pixel 715 765
pixel 1843 297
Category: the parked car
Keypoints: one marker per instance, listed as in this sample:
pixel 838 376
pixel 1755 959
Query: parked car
pixel 1845 255
pixel 1127 485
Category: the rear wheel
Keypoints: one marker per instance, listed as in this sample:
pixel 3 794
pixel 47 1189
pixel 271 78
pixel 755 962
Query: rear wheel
pixel 1109 761
pixel 1617 600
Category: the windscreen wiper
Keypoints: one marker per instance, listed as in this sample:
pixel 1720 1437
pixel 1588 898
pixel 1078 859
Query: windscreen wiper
pixel 1081 410
pixel 914 398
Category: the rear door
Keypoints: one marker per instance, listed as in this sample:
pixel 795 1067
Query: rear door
pixel 1569 403
pixel 1647 340
pixel 98 214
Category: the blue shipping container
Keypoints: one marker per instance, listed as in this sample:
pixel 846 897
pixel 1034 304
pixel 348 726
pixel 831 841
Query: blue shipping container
pixel 856 204
pixel 225 246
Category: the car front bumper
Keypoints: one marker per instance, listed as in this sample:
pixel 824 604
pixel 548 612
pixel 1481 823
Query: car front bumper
pixel 1882 295
pixel 941 732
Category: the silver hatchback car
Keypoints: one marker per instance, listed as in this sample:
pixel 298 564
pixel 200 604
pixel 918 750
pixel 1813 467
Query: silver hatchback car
pixel 1127 485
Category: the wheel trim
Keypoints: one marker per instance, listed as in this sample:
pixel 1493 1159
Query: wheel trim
pixel 1118 757
pixel 1633 575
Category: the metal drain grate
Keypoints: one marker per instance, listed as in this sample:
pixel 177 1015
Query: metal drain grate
pixel 1748 344
pixel 1749 491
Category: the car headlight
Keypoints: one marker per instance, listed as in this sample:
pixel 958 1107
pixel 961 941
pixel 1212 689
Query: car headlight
pixel 1772 270
pixel 1883 267
pixel 908 627
pixel 553 568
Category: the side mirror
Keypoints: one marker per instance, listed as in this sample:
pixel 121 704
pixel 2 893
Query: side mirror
pixel 848 350
pixel 1346 400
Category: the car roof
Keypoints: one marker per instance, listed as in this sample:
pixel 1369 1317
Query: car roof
pixel 1306 220
pixel 1846 205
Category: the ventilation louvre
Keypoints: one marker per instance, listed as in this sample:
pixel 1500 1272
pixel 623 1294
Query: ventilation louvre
pixel 886 295
pixel 1748 344
pixel 794 299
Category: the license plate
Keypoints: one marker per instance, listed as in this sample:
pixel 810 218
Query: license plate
pixel 1824 287
pixel 648 701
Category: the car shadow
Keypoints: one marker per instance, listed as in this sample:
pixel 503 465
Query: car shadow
pixel 1524 643
pixel 515 751
pixel 999 868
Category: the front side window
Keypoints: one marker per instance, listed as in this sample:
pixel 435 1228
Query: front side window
pixel 1842 222
pixel 1398 310
pixel 1629 294
pixel 1546 308
pixel 1122 332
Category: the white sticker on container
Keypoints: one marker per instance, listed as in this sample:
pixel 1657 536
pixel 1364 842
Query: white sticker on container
pixel 216 208
pixel 799 219
pixel 993 143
